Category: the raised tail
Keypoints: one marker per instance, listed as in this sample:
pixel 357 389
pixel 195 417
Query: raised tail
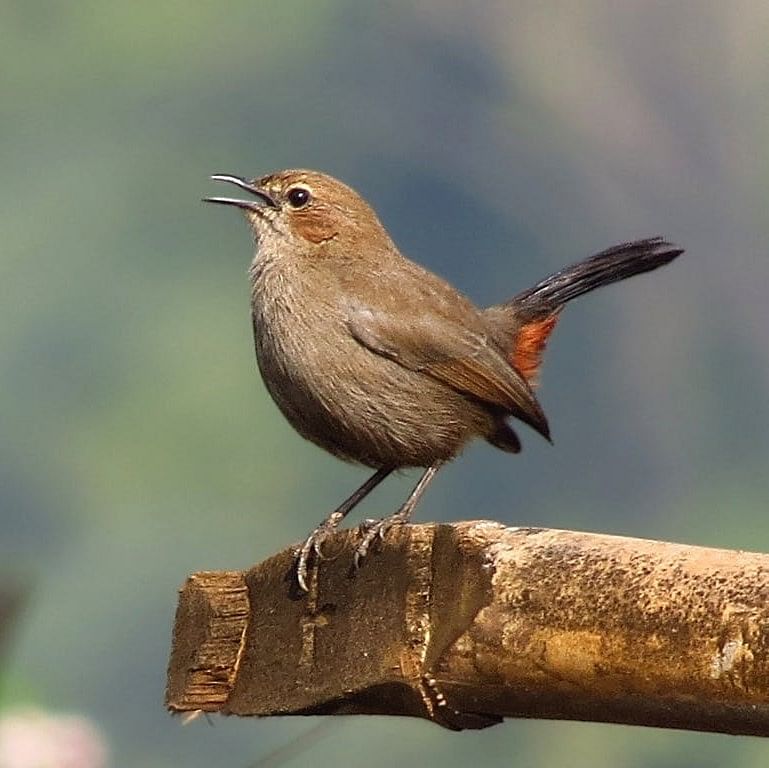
pixel 526 321
pixel 609 266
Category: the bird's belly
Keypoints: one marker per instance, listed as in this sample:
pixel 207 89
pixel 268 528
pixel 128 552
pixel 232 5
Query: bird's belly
pixel 363 407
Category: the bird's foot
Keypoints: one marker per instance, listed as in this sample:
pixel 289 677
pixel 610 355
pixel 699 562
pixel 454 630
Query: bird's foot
pixel 375 530
pixel 311 548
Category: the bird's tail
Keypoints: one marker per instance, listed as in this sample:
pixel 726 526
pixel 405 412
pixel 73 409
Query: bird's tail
pixel 528 319
pixel 609 266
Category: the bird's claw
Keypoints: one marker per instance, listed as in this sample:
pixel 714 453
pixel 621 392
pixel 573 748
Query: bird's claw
pixel 366 525
pixel 309 549
pixel 373 530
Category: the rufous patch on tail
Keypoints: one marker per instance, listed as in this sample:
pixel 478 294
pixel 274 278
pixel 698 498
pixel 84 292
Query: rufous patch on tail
pixel 530 345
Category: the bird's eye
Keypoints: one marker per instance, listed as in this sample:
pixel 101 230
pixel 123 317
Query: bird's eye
pixel 298 197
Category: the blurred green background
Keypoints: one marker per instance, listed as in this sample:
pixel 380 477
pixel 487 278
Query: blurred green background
pixel 498 141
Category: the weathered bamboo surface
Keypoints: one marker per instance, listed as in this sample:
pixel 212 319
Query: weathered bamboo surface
pixel 469 623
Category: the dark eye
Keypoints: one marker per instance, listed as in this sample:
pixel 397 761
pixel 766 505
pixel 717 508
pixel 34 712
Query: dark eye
pixel 298 197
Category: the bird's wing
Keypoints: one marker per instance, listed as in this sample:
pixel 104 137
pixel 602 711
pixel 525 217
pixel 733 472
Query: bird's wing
pixel 465 360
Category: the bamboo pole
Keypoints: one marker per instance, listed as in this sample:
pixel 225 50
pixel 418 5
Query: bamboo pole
pixel 469 623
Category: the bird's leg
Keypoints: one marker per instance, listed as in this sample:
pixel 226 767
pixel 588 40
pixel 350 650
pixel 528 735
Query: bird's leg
pixel 313 542
pixel 378 529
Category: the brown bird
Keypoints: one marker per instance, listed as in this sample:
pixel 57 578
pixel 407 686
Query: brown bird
pixel 380 361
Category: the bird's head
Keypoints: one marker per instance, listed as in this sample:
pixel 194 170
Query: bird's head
pixel 309 212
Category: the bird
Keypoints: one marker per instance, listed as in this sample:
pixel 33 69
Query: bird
pixel 380 361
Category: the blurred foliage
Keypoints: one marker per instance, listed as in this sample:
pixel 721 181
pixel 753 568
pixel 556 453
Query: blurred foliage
pixel 498 143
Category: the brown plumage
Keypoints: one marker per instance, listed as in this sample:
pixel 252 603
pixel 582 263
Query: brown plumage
pixel 380 361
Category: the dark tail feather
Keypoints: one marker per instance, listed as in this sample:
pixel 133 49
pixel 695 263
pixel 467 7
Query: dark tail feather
pixel 505 438
pixel 609 266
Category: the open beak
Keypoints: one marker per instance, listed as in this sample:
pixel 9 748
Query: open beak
pixel 262 198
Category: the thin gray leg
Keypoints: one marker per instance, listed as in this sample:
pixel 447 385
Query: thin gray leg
pixel 313 542
pixel 378 529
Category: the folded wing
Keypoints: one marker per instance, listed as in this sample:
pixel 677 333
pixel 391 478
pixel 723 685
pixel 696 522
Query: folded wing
pixel 466 360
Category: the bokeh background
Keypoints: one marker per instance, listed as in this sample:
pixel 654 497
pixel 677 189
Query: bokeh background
pixel 498 141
